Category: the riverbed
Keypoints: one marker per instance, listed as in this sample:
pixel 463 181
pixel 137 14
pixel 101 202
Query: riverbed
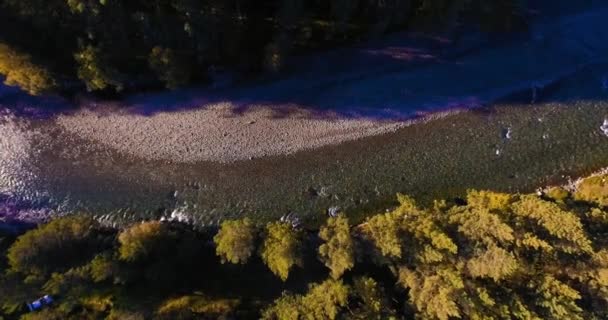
pixel 510 118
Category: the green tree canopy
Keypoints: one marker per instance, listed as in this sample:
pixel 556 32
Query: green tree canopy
pixel 281 249
pixel 323 301
pixel 95 71
pixel 19 70
pixel 55 246
pixel 235 242
pixel 337 253
pixel 594 190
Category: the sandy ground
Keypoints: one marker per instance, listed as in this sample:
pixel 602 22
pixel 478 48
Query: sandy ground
pixel 298 113
pixel 216 133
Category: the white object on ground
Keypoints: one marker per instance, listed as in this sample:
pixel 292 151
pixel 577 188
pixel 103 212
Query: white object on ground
pixel 508 133
pixel 604 127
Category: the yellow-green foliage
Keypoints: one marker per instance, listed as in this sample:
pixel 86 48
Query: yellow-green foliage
pixel 19 70
pixel 98 302
pixel 103 267
pixel 433 244
pixel 287 307
pixel 323 301
pixel 138 241
pixel 434 292
pixel 235 241
pixel 195 307
pixel 383 230
pixel 488 199
pixel 520 258
pixel 281 249
pixel 494 235
pixel 117 314
pixel 71 281
pixel 337 251
pixel 557 193
pixel 94 70
pixel 533 242
pixel 598 216
pixel 558 299
pixel 593 189
pixel 494 263
pixel 53 246
pixel 372 304
pixel 561 224
pixel 479 224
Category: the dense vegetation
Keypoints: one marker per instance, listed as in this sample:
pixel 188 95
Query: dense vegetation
pixel 489 256
pixel 110 45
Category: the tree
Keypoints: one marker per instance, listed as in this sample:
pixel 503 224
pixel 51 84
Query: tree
pixel 196 307
pixel 488 199
pixel 563 225
pixel 337 252
pixel 142 240
pixel 434 292
pixel 479 224
pixel 95 71
pixel 323 301
pixel 557 299
pixel 117 314
pixel 281 249
pixel 169 68
pixel 372 302
pixel 287 307
pixel 593 190
pixel 494 263
pixel 55 246
pixel 103 267
pixel 235 241
pixel 19 70
pixel 383 231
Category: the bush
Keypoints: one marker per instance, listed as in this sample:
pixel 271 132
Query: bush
pixel 19 70
pixel 143 240
pixel 337 253
pixel 196 307
pixel 55 246
pixel 235 241
pixel 281 249
pixel 169 67
pixel 95 71
pixel 593 190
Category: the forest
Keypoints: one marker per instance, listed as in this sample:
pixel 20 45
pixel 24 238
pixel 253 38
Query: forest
pixel 488 255
pixel 112 46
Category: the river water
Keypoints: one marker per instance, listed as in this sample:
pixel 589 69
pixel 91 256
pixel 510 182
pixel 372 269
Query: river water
pixel 46 170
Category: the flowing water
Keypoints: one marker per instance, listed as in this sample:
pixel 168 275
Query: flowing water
pixel 49 170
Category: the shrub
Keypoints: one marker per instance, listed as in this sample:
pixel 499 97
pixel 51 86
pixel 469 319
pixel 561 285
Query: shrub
pixel 593 190
pixel 95 71
pixel 281 249
pixel 19 70
pixel 337 253
pixel 169 67
pixel 55 246
pixel 235 241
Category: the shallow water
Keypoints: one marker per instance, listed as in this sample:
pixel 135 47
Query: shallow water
pixel 42 165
